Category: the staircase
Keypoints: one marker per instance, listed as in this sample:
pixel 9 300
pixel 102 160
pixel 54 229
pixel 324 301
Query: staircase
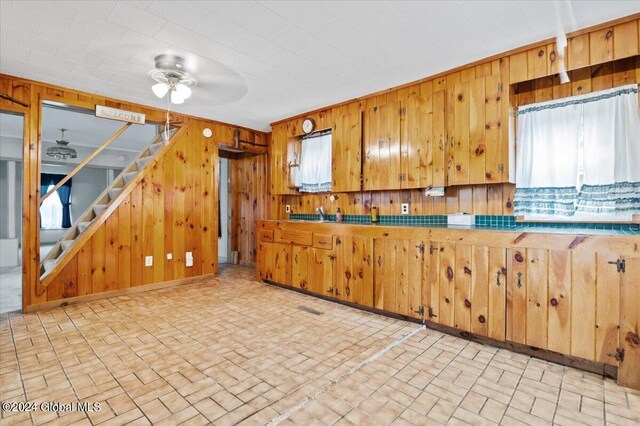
pixel 102 202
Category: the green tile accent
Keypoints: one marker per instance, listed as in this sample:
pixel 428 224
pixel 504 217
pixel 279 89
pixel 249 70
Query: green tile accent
pixel 507 223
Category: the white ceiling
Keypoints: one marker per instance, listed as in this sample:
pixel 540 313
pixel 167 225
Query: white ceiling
pixel 83 130
pixel 261 61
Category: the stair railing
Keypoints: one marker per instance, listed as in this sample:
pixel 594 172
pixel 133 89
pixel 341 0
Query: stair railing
pixel 80 166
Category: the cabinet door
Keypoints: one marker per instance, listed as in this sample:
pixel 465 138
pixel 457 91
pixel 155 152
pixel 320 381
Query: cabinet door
pixel 630 324
pixel 479 145
pixel 302 267
pixel 399 276
pixel 346 154
pixel 467 287
pixel 323 279
pixel 354 269
pixel 262 261
pixel 280 262
pixel 416 146
pixel 381 166
pixel 279 153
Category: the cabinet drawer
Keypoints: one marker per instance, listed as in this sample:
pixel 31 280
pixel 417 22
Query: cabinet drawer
pixel 323 241
pixel 300 238
pixel 266 235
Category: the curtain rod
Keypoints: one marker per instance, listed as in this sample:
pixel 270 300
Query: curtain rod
pixel 317 134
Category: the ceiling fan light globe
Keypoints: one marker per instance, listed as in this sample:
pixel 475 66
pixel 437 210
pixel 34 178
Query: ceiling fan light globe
pixel 176 98
pixel 183 90
pixel 160 89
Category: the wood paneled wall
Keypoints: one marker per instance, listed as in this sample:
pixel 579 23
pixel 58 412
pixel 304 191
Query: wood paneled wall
pixel 248 203
pixel 172 210
pixel 584 80
pixel 169 199
pixel 494 199
pixel 599 58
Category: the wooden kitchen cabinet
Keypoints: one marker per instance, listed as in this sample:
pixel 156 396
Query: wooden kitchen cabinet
pixel 353 274
pixel 346 152
pixel 467 287
pixel 398 275
pixel 274 262
pixel 281 149
pixel 404 143
pixel 312 269
pixel 566 301
pixel 478 121
pixel 381 165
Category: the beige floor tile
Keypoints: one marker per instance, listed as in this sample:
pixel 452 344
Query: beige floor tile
pixel 237 351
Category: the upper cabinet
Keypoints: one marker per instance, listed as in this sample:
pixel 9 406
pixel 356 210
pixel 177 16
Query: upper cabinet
pixel 346 152
pixel 381 166
pixel 404 143
pixel 478 122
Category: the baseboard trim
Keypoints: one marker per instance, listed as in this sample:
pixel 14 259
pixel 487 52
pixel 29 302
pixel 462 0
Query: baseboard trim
pixel 114 293
pixel 595 367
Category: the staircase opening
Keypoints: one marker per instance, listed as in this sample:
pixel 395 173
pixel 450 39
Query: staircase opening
pixel 11 143
pixel 85 163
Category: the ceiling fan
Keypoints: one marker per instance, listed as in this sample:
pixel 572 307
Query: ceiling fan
pixel 172 78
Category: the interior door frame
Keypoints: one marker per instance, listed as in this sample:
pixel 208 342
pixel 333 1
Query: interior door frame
pixel 24 113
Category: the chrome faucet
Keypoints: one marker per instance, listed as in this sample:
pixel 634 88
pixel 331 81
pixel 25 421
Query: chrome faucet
pixel 320 211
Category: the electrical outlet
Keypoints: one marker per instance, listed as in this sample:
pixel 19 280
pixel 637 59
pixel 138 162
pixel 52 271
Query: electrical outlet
pixel 188 261
pixel 405 208
pixel 148 261
pixel 169 256
pixel 287 208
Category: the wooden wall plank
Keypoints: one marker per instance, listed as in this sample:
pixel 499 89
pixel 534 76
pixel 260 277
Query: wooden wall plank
pixel 559 335
pixel 537 293
pixel 583 305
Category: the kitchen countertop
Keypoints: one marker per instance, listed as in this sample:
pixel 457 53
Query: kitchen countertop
pixel 556 228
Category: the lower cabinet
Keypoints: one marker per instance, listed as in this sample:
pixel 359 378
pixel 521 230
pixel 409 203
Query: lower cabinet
pixel 399 276
pixel 467 287
pixel 353 273
pixel 568 296
pixel 274 262
pixel 312 269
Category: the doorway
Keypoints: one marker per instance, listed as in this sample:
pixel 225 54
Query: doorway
pixel 224 255
pixel 11 149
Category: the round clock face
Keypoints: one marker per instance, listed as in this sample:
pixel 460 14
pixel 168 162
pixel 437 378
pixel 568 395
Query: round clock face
pixel 308 125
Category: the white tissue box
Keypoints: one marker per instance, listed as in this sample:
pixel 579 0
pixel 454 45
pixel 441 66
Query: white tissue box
pixel 461 219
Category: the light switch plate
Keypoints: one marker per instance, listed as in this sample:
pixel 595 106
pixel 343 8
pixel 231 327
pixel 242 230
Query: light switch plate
pixel 287 208
pixel 148 261
pixel 405 208
pixel 169 256
pixel 188 261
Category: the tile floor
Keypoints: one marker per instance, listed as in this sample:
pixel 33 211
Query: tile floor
pixel 238 351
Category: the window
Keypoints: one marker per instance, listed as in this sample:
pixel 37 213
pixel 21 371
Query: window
pixel 51 211
pixel 315 163
pixel 579 157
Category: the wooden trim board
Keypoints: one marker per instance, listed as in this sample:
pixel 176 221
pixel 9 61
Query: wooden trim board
pixel 115 293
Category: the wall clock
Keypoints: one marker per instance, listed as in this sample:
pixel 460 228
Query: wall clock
pixel 308 125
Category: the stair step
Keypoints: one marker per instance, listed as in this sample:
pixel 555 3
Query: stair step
pixel 113 193
pixel 155 148
pixel 129 176
pixel 66 244
pixel 82 226
pixel 99 209
pixel 142 161
pixel 49 265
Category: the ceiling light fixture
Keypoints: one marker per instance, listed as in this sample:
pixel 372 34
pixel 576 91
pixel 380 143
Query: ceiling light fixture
pixel 171 78
pixel 60 150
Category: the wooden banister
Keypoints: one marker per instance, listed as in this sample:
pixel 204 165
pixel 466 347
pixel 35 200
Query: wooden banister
pixel 85 161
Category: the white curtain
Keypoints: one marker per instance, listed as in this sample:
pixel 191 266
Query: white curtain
pixel 315 163
pixel 611 152
pixel 547 158
pixel 51 211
